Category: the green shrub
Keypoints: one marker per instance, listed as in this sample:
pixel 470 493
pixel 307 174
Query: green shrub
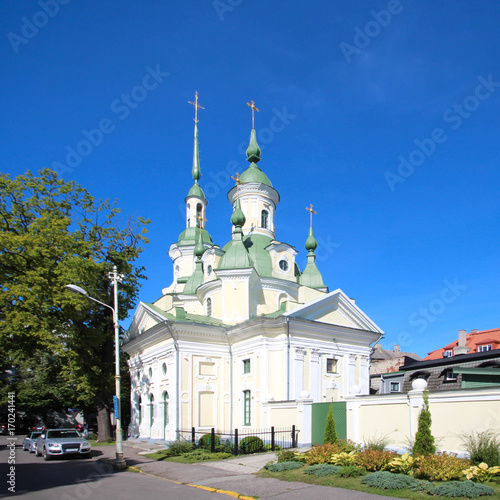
pixel 283 466
pixel 288 456
pixel 374 460
pixel 330 429
pixel 323 469
pixel 351 471
pixel 441 467
pixel 483 447
pixel 466 489
pixel 343 458
pixel 481 473
pixel 178 448
pixel 424 440
pixel 251 444
pixel 347 445
pixel 405 464
pixel 389 481
pixel 201 454
pixel 268 447
pixel 205 441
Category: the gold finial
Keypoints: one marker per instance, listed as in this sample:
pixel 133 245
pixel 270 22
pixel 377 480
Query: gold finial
pixel 201 220
pixel 196 106
pixel 311 211
pixel 254 108
pixel 238 182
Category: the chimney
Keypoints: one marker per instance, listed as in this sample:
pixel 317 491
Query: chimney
pixel 461 347
pixel 396 348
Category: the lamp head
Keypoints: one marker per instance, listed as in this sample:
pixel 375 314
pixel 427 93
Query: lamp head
pixel 76 289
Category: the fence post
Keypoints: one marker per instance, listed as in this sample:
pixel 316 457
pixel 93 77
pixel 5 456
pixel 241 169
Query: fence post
pixel 212 440
pixel 294 439
pixel 272 438
pixel 236 442
pixel 193 437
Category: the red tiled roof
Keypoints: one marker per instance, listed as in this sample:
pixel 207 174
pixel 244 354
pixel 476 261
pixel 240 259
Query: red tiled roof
pixel 473 340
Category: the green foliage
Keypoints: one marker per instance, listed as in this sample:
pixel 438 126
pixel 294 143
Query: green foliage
pixel 347 445
pixel 57 346
pixel 351 471
pixel 268 447
pixel 481 473
pixel 376 443
pixel 206 439
pixel 483 447
pixel 405 464
pixel 251 444
pixel 178 448
pixel 424 440
pixel 330 428
pixel 202 454
pixel 343 458
pixel 288 456
pixel 389 481
pixel 466 489
pixel 283 466
pixel 323 469
pixel 374 460
pixel 441 467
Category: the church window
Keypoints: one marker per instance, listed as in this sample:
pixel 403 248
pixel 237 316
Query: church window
pixel 150 372
pixel 165 408
pixel 187 215
pixel 209 307
pixel 283 265
pixel 209 270
pixel 151 409
pixel 246 408
pixel 164 368
pixel 246 366
pixel 264 219
pixel 331 365
pixel 198 214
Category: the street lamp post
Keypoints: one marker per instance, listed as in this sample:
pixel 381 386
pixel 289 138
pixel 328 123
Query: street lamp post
pixel 115 278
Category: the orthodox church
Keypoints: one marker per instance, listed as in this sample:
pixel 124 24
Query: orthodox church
pixel 243 338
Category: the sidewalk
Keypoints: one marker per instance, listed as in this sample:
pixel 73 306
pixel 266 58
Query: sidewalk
pixel 234 476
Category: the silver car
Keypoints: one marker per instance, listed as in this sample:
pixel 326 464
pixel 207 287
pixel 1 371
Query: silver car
pixel 61 442
pixel 29 441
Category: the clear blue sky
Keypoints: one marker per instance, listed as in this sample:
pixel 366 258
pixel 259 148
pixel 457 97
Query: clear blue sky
pixel 384 115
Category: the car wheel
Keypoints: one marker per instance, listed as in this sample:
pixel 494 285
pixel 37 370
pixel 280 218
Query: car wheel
pixel 46 456
pixel 37 453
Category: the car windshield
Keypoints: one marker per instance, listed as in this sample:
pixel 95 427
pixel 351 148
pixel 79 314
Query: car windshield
pixel 62 434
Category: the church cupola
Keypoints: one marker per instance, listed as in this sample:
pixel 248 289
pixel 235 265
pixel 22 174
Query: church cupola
pixel 311 276
pixel 257 196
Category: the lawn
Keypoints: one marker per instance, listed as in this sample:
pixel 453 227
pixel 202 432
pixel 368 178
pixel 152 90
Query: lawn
pixel 354 483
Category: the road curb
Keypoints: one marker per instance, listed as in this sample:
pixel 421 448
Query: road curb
pixel 233 494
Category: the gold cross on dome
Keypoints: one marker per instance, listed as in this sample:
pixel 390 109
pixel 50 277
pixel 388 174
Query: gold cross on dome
pixel 238 182
pixel 201 219
pixel 311 211
pixel 196 106
pixel 254 108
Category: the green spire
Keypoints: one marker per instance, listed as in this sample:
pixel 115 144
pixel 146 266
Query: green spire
pixel 196 172
pixel 238 218
pixel 253 150
pixel 199 249
pixel 253 173
pixel 311 276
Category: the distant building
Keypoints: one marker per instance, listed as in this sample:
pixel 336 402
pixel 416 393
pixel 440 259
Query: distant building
pixel 385 376
pixel 468 343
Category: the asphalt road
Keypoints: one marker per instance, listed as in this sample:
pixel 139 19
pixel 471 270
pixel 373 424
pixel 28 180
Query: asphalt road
pixel 80 479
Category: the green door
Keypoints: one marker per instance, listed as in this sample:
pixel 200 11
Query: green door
pixel 319 414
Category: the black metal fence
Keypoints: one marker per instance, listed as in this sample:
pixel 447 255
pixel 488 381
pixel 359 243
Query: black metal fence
pixel 242 440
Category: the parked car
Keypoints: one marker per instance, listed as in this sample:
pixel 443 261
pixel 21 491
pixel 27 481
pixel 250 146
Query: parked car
pixel 61 442
pixel 29 441
pixel 3 428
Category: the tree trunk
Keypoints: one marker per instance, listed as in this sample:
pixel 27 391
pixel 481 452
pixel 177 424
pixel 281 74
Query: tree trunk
pixel 103 423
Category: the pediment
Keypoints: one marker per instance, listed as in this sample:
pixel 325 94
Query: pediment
pixel 146 316
pixel 335 308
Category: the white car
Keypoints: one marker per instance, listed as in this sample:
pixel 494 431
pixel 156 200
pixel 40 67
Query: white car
pixel 61 442
pixel 29 441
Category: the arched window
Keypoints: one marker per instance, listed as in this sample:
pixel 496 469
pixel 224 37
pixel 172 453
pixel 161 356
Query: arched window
pixel 264 219
pixel 209 307
pixel 199 209
pixel 188 219
pixel 151 409
pixel 165 408
pixel 139 410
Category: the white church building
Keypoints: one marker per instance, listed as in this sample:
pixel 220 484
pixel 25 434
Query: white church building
pixel 243 338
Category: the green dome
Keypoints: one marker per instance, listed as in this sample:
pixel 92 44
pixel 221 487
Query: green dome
pixel 256 246
pixel 196 191
pixel 254 174
pixel 189 237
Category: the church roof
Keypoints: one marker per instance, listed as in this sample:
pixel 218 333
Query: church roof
pixel 185 316
pixel 189 236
